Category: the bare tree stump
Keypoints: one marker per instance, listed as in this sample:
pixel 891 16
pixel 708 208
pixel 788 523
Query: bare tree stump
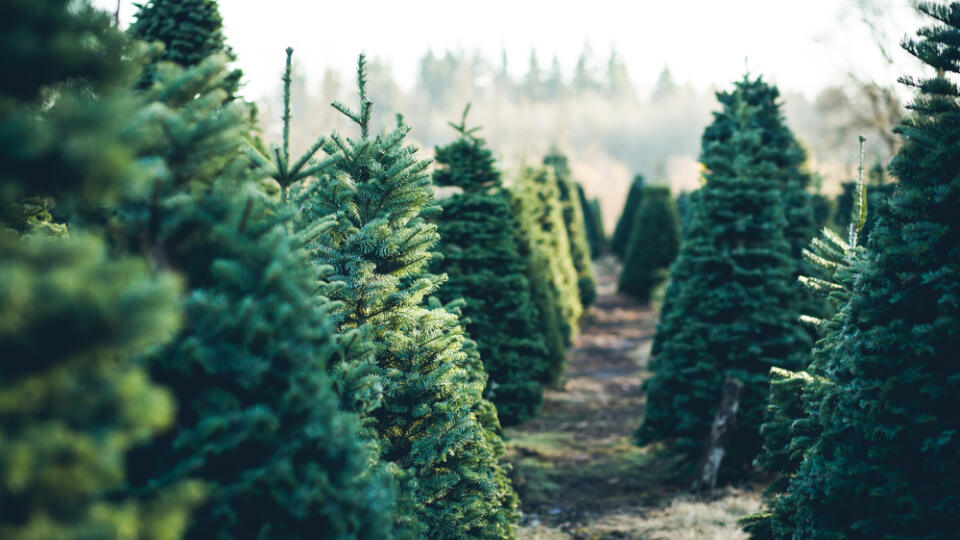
pixel 723 424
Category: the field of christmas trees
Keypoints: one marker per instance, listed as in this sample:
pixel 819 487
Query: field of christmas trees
pixel 209 330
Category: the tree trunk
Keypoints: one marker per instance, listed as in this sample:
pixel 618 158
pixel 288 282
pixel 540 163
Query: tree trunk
pixel 723 424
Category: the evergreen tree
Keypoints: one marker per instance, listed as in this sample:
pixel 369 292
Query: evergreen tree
pixel 785 153
pixel 725 310
pixel 551 324
pixel 653 244
pixel 781 148
pixel 593 220
pixel 575 223
pixel 433 423
pixel 621 234
pixel 480 256
pixel 553 278
pixel 259 421
pixel 883 464
pixel 74 316
pixel 190 30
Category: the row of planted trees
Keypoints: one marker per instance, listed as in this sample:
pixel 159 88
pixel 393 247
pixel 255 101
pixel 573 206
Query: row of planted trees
pixel 856 414
pixel 205 337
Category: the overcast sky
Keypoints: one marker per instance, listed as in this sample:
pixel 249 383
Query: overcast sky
pixel 801 45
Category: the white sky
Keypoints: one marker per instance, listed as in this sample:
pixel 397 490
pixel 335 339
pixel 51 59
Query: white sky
pixel 801 45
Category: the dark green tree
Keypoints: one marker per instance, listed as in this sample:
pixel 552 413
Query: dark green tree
pixel 780 147
pixel 576 226
pixel 429 423
pixel 653 244
pixel 190 30
pixel 725 312
pixel 621 234
pixel 593 220
pixel 259 422
pixel 73 315
pixel 883 464
pixel 480 256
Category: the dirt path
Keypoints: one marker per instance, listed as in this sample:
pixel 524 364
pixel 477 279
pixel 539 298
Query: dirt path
pixel 578 472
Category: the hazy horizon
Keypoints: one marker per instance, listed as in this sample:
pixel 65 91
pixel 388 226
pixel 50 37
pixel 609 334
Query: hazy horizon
pixel 802 47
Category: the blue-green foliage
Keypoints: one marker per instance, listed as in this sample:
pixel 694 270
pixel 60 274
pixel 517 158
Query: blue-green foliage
pixel 726 311
pixel 886 454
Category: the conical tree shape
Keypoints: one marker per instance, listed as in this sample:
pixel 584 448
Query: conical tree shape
pixel 379 249
pixel 653 244
pixel 73 316
pixel 781 149
pixel 576 226
pixel 482 261
pixel 621 234
pixel 725 310
pixel 885 462
pixel 259 422
pixel 593 220
pixel 190 30
pixel 550 270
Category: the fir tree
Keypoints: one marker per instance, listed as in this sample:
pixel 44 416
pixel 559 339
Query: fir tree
pixel 259 421
pixel 593 220
pixel 780 147
pixel 481 258
pixel 725 310
pixel 74 316
pixel 653 244
pixel 190 30
pixel 576 227
pixel 430 423
pixel 550 270
pixel 884 463
pixel 621 234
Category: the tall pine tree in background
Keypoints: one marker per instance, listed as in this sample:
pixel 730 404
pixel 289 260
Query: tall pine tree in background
pixel 259 422
pixel 652 246
pixel 190 30
pixel 725 311
pixel 481 258
pixel 433 422
pixel 593 220
pixel 621 234
pixel 74 317
pixel 576 226
pixel 550 270
pixel 888 452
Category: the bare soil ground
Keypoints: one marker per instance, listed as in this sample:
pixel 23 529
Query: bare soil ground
pixel 578 471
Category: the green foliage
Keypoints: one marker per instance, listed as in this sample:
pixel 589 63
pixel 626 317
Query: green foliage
pixel 621 234
pixel 593 220
pixel 482 261
pixel 653 244
pixel 888 451
pixel 73 316
pixel 573 218
pixel 259 421
pixel 380 198
pixel 790 425
pixel 877 196
pixel 190 30
pixel 725 311
pixel 550 270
